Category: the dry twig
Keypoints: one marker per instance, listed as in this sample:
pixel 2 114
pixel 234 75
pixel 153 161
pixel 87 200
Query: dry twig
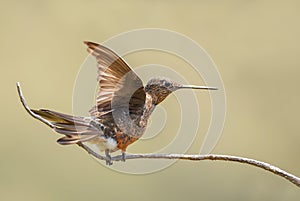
pixel 290 177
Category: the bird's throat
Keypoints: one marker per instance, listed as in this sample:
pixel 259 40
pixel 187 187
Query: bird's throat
pixel 148 109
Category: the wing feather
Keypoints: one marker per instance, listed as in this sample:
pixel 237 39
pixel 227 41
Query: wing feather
pixel 119 86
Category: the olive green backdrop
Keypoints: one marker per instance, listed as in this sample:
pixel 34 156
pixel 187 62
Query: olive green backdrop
pixel 255 45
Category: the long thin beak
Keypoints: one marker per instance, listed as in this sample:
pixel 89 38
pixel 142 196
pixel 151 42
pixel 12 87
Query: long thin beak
pixel 197 87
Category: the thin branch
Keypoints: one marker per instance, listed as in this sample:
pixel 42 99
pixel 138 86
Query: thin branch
pixel 266 166
pixel 290 177
pixel 22 99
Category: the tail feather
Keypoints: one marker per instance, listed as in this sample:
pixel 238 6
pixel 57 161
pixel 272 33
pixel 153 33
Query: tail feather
pixel 58 117
pixel 75 129
pixel 67 140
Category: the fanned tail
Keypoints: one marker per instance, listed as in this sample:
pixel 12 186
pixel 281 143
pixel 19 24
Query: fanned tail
pixel 76 129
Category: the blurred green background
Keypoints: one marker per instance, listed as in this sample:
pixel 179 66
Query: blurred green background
pixel 255 45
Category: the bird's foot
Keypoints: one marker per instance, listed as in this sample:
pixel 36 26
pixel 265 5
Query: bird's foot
pixel 108 158
pixel 123 156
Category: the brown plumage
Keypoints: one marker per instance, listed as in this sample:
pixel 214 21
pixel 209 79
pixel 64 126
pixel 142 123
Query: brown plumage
pixel 123 106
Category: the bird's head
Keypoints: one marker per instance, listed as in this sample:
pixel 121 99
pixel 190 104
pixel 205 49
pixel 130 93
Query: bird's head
pixel 160 88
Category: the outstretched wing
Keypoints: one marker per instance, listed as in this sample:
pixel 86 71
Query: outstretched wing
pixel 119 86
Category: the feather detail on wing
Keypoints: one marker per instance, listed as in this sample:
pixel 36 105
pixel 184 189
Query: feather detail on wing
pixel 119 86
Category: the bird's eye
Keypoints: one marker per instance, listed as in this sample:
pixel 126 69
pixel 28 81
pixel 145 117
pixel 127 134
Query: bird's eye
pixel 167 84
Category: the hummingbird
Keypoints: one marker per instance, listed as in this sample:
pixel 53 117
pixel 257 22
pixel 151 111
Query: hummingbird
pixel 123 106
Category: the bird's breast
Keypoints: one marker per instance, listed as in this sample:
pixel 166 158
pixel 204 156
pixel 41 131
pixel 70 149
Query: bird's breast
pixel 123 140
